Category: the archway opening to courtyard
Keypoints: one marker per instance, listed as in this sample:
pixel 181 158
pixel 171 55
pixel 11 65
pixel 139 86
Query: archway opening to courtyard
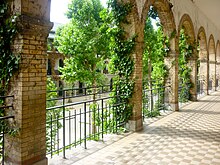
pixel 212 64
pixel 165 34
pixel 202 84
pixel 187 60
pixel 155 72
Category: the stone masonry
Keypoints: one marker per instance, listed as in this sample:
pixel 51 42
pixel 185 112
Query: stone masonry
pixel 29 86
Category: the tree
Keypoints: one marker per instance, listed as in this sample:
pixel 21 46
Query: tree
pixel 85 45
pixel 81 40
pixel 52 116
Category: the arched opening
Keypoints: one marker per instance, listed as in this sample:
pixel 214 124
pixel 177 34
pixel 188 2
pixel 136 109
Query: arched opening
pixel 165 14
pixel 202 63
pixel 187 60
pixel 212 64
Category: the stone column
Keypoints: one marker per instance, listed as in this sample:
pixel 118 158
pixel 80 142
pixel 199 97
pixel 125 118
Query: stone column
pixel 171 93
pixel 217 74
pixel 29 85
pixel 136 122
pixel 212 73
pixel 204 76
pixel 193 90
pixel 135 27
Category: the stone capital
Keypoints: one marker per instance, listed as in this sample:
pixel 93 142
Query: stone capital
pixel 34 26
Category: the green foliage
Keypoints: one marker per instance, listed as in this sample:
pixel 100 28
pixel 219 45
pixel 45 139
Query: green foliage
pixel 154 68
pixel 82 41
pixel 185 53
pixel 52 116
pixel 156 48
pixel 8 60
pixel 121 64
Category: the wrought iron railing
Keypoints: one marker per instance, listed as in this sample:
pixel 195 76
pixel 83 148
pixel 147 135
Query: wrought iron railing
pixel 155 100
pixel 3 126
pixel 184 94
pixel 72 123
pixel 85 91
pixel 200 88
pixel 210 87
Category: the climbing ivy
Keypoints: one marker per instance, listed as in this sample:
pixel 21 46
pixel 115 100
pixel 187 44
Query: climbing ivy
pixel 8 60
pixel 52 116
pixel 121 64
pixel 154 69
pixel 185 53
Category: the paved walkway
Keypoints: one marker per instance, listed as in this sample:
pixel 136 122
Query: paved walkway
pixel 191 136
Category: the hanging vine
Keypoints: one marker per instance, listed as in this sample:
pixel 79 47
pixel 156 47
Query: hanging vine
pixel 186 52
pixel 122 63
pixel 8 60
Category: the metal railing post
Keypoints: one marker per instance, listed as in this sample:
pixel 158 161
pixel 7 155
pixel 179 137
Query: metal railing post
pixel 64 127
pixel 85 125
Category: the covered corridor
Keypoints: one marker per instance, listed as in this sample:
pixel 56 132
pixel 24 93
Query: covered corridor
pixel 190 136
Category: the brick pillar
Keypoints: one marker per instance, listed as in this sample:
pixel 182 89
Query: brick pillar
pixel 171 93
pixel 212 73
pixel 208 74
pixel 204 76
pixel 217 74
pixel 135 27
pixel 193 91
pixel 29 85
pixel 136 122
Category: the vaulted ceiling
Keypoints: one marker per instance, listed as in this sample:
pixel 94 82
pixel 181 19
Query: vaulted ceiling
pixel 211 8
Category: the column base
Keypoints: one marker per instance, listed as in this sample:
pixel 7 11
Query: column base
pixel 135 125
pixel 28 162
pixel 174 106
pixel 194 97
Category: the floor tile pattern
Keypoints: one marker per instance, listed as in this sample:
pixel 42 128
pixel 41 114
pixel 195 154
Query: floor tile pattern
pixel 190 136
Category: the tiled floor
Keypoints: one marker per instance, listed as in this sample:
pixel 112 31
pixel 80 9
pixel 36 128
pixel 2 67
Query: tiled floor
pixel 191 136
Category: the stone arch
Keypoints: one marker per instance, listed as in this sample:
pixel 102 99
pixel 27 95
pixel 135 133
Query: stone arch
pixel 165 13
pixel 203 61
pixel 187 24
pixel 202 41
pixel 212 63
pixel 137 19
pixel 163 8
pixel 211 48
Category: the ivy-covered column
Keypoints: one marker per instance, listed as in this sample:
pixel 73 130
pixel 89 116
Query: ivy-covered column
pixel 193 90
pixel 29 85
pixel 171 90
pixel 136 122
